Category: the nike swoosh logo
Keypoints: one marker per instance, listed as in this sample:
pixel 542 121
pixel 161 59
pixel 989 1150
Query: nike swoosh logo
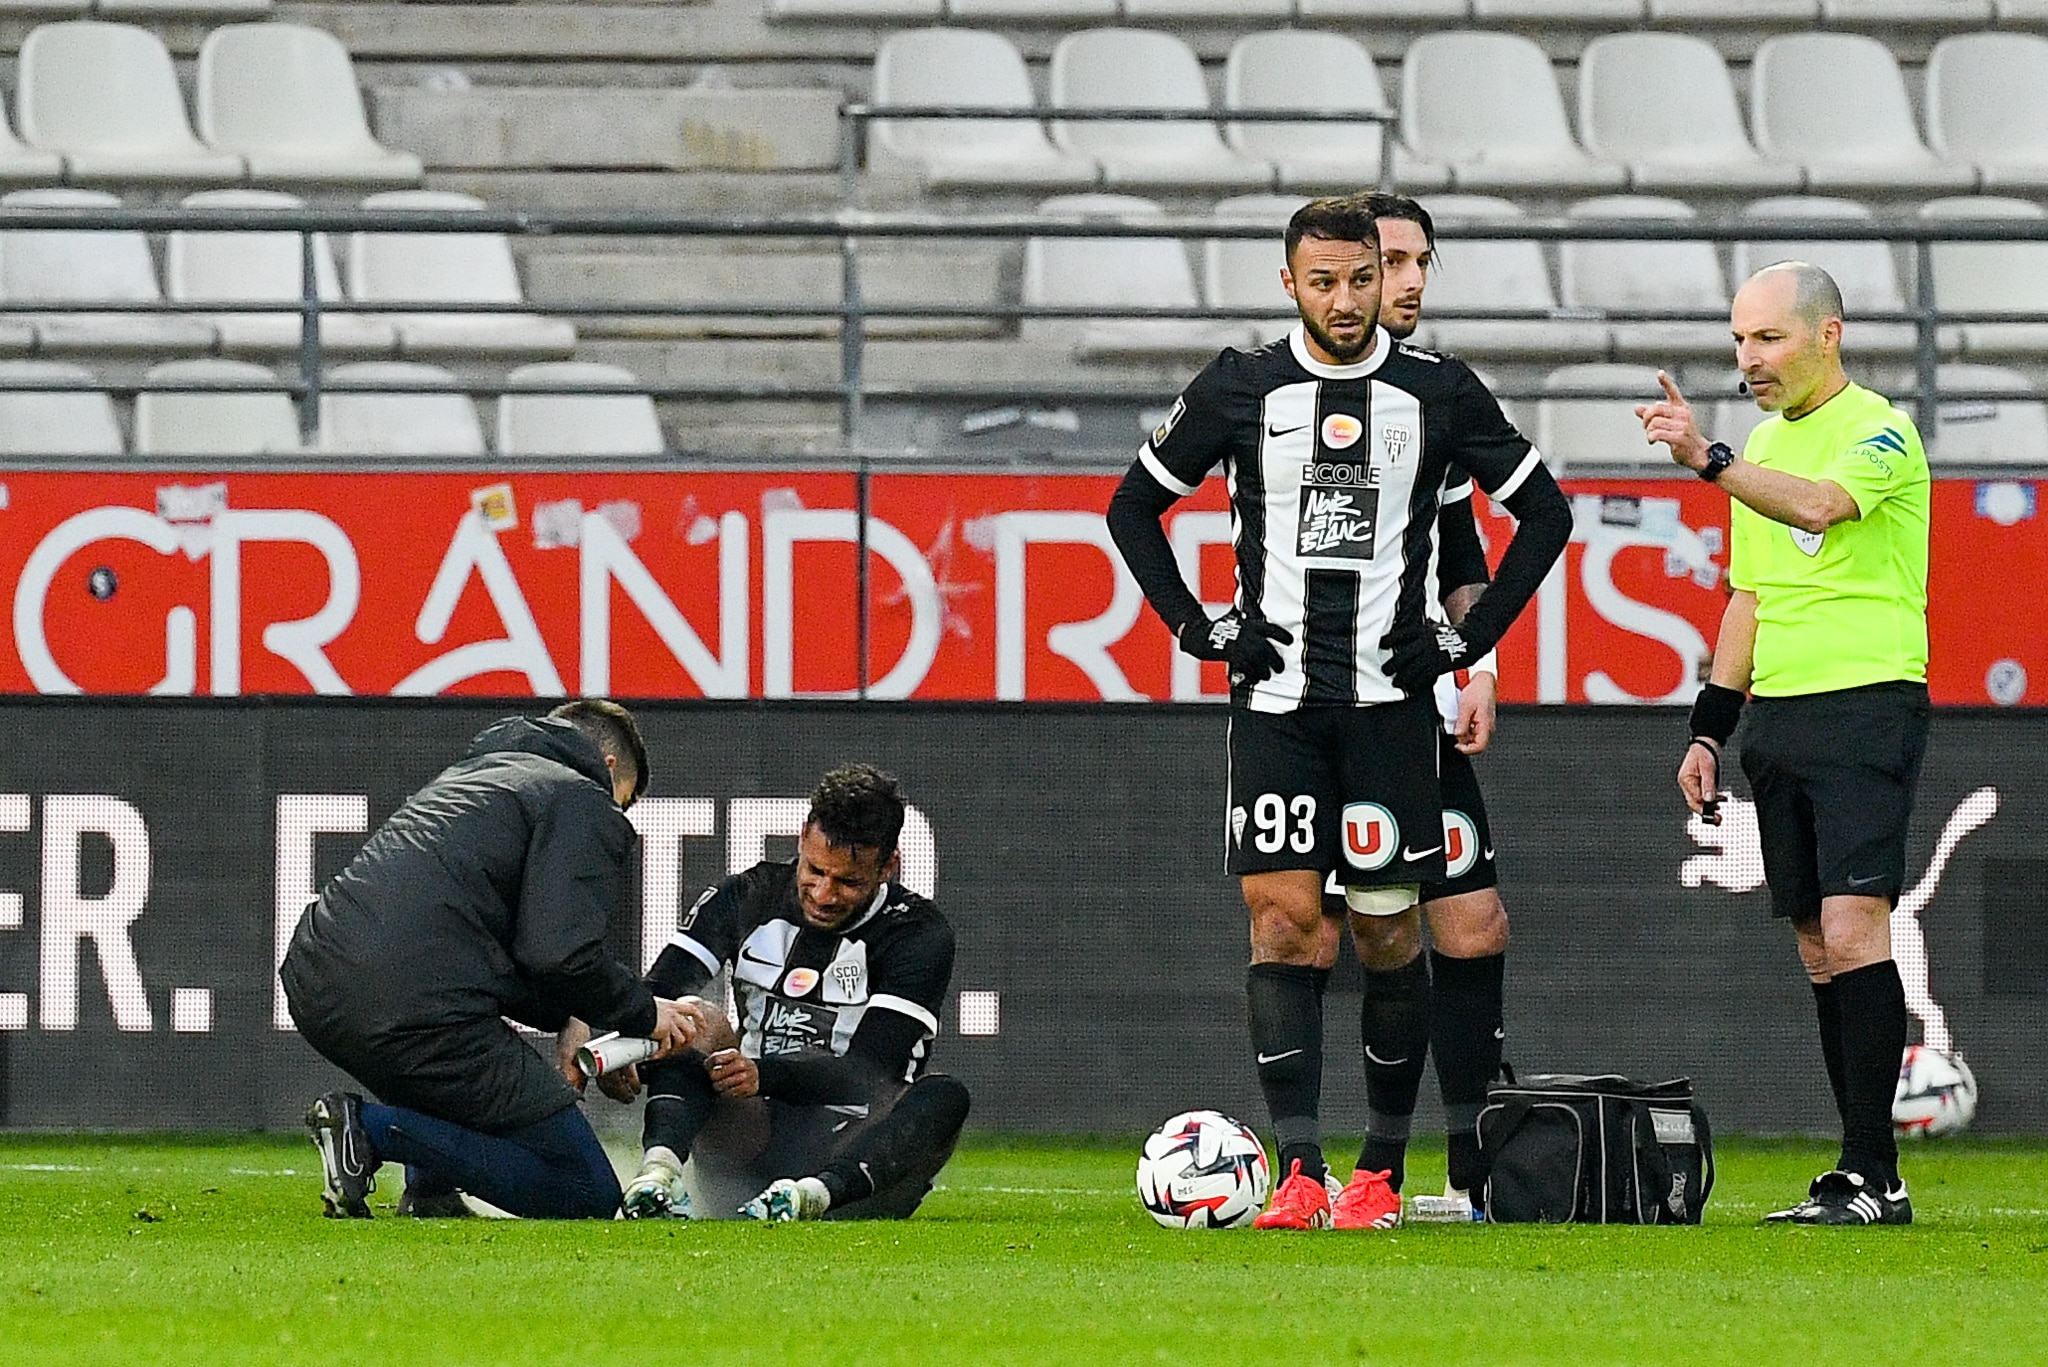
pixel 1500 1032
pixel 1275 1058
pixel 1283 431
pixel 1866 882
pixel 757 959
pixel 1412 855
pixel 1489 851
pixel 1371 1057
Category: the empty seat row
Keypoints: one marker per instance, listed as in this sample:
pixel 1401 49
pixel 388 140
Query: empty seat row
pixel 100 102
pixel 1940 14
pixel 86 267
pixel 435 420
pixel 1478 110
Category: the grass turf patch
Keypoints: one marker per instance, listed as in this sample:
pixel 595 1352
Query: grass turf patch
pixel 183 1250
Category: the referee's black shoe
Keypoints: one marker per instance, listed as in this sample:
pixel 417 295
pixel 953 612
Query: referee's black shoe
pixel 335 1122
pixel 1844 1198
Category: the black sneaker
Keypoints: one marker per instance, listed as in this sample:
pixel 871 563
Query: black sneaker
pixel 336 1123
pixel 1844 1198
pixel 447 1205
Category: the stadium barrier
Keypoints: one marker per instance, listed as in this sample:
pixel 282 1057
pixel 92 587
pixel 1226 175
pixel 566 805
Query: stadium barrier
pixel 154 855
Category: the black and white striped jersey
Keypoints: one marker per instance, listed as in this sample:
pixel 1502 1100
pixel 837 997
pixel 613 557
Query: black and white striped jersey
pixel 1335 476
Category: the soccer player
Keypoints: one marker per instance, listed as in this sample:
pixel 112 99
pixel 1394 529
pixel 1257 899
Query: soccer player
pixel 1336 441
pixel 820 1105
pixel 1827 628
pixel 486 896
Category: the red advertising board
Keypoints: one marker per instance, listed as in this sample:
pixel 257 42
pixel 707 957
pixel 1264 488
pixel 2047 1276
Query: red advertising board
pixel 730 584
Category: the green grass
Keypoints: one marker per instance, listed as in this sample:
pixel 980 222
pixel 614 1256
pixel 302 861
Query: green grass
pixel 208 1250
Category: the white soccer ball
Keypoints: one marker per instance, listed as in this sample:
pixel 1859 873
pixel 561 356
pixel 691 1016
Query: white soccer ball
pixel 1203 1170
pixel 1937 1094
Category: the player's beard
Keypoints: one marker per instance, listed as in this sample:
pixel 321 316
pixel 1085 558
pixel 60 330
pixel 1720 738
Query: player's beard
pixel 1332 347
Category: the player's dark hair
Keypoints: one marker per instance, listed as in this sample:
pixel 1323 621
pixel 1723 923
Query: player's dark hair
pixel 1386 204
pixel 857 806
pixel 1339 219
pixel 612 729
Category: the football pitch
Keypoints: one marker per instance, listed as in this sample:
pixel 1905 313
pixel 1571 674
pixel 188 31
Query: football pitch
pixel 210 1250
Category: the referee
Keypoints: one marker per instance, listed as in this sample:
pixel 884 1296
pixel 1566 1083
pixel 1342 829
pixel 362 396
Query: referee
pixel 1827 628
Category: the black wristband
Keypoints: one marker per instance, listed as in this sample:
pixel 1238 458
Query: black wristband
pixel 1716 711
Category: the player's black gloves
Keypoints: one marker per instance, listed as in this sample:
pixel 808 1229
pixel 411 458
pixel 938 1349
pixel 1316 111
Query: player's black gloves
pixel 1245 643
pixel 1419 651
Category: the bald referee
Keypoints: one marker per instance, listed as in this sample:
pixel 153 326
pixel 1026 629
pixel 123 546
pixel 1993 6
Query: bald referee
pixel 1827 630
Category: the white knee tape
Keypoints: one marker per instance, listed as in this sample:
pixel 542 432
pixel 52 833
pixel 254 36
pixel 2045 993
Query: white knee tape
pixel 1383 901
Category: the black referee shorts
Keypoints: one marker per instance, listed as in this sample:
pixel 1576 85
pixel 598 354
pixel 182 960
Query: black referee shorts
pixel 1833 776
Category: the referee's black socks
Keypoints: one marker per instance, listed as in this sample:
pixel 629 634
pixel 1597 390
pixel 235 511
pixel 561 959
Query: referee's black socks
pixel 1394 1028
pixel 1827 1008
pixel 1465 1033
pixel 1873 1006
pixel 1285 1006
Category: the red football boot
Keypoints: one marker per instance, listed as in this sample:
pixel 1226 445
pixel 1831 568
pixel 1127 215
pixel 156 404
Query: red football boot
pixel 1368 1203
pixel 1301 1203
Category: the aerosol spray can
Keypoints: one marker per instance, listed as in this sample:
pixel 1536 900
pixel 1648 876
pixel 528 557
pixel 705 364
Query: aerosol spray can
pixel 610 1053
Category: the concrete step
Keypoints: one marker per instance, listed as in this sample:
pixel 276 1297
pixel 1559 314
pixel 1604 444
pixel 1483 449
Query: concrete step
pixel 969 361
pixel 689 192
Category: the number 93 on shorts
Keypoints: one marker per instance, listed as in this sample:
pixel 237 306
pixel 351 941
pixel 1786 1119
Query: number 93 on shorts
pixel 1350 790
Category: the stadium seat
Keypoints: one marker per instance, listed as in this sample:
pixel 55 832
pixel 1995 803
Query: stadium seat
pixel 1301 68
pixel 1730 420
pixel 1557 12
pixel 84 267
pixel 217 424
pixel 469 268
pixel 1409 11
pixel 577 424
pixel 1648 275
pixel 1836 104
pixel 954 66
pixel 56 423
pixel 1496 274
pixel 1133 69
pixel 1917 13
pixel 1238 11
pixel 242 268
pixel 1032 11
pixel 1662 105
pixel 1700 13
pixel 1244 273
pixel 1487 106
pixel 394 422
pixel 1572 432
pixel 855 11
pixel 106 97
pixel 284 97
pixel 20 162
pixel 1140 272
pixel 1988 431
pixel 1867 272
pixel 1987 104
pixel 1990 277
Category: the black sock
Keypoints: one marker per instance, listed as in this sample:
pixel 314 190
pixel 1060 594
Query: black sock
pixel 1873 1003
pixel 1827 1005
pixel 680 1099
pixel 1394 1028
pixel 916 1136
pixel 1465 1034
pixel 1285 1005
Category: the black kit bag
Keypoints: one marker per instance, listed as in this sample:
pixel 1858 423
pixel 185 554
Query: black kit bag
pixel 1595 1150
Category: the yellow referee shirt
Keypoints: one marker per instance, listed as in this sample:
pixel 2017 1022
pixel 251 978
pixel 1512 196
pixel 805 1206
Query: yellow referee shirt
pixel 1848 606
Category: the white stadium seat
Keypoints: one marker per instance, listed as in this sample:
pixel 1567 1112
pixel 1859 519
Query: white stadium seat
pixel 1997 431
pixel 284 97
pixel 263 268
pixel 1648 275
pixel 1584 431
pixel 1991 277
pixel 1244 273
pixel 1987 104
pixel 1237 11
pixel 1487 105
pixel 1700 13
pixel 1948 13
pixel 20 162
pixel 395 422
pixel 1132 69
pixel 217 424
pixel 1498 274
pixel 1305 69
pixel 1146 272
pixel 467 268
pixel 577 424
pixel 106 97
pixel 56 423
pixel 1836 104
pixel 954 66
pixel 855 11
pixel 1866 272
pixel 1662 104
pixel 83 267
pixel 1438 11
pixel 1032 11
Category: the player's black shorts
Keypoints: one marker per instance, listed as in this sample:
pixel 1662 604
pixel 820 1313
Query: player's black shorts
pixel 1350 789
pixel 1833 777
pixel 1468 838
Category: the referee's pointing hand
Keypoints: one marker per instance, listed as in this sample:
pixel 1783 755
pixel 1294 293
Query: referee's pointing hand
pixel 1671 422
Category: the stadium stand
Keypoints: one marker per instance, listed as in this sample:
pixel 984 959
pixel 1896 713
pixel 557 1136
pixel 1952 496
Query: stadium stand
pixel 1991 277
pixel 106 97
pixel 433 423
pixel 2000 431
pixel 1113 68
pixel 263 268
pixel 1487 105
pixel 1244 273
pixel 216 424
pixel 1662 104
pixel 1836 103
pixel 469 268
pixel 77 422
pixel 1595 431
pixel 1301 69
pixel 1867 271
pixel 1497 274
pixel 1152 272
pixel 577 424
pixel 85 268
pixel 1987 104
pixel 941 66
pixel 284 98
pixel 1647 276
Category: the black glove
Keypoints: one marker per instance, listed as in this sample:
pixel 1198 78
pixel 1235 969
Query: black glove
pixel 1419 651
pixel 1246 643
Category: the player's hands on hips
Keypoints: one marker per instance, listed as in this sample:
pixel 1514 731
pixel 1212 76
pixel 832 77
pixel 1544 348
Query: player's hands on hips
pixel 1699 778
pixel 1245 643
pixel 1421 651
pixel 1671 422
pixel 621 1084
pixel 1476 704
pixel 568 1040
pixel 733 1074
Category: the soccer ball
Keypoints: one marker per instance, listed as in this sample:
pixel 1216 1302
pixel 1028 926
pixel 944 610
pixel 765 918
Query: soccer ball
pixel 1937 1093
pixel 1203 1170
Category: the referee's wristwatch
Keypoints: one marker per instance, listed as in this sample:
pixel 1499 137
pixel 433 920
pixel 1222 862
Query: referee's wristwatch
pixel 1720 456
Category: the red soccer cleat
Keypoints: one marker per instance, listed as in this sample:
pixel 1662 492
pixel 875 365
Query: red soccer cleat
pixel 1301 1203
pixel 1368 1203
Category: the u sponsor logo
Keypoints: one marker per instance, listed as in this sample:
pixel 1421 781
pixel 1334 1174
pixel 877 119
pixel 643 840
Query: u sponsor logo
pixel 1461 844
pixel 1371 836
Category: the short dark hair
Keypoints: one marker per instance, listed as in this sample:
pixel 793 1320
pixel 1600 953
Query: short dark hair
pixel 857 806
pixel 1339 219
pixel 612 729
pixel 1386 204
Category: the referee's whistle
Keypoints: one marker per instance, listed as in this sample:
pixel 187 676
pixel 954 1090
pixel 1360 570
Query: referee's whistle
pixel 1710 809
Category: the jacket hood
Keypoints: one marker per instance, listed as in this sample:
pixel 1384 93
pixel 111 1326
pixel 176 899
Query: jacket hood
pixel 549 738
